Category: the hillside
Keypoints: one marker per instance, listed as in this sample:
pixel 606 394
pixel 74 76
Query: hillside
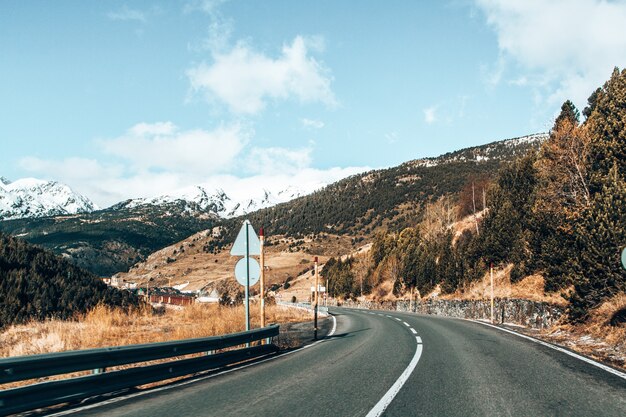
pixel 111 240
pixel 191 266
pixel 393 197
pixel 36 284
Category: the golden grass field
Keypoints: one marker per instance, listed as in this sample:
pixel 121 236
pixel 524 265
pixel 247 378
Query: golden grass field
pixel 103 326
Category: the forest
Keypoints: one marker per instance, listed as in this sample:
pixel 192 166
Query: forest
pixel 559 211
pixel 35 284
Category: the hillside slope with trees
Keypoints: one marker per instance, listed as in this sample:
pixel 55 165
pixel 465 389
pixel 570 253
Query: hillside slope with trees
pixel 559 212
pixel 35 284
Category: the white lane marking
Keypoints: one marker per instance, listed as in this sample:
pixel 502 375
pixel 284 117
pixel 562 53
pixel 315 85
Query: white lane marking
pixel 381 315
pixel 418 339
pixel 387 315
pixel 560 349
pixel 384 402
pixel 413 330
pixel 180 384
pixel 397 319
pixel 406 324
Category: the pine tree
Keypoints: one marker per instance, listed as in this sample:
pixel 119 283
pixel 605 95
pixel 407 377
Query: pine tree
pixel 600 236
pixel 591 103
pixel 607 127
pixel 504 237
pixel 568 112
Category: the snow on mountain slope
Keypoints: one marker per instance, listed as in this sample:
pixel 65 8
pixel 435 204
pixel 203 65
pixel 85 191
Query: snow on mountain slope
pixel 31 197
pixel 199 198
pixel 503 150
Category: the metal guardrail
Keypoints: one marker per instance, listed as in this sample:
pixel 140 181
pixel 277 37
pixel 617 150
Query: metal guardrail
pixel 303 306
pixel 43 394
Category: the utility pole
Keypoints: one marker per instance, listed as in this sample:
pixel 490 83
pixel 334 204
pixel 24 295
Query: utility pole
pixel 262 277
pixel 491 274
pixel 315 301
pixel 474 205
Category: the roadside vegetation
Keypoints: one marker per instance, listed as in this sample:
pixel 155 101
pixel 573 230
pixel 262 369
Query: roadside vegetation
pixel 104 326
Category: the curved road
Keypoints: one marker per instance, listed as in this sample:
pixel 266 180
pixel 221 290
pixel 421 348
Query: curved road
pixel 461 368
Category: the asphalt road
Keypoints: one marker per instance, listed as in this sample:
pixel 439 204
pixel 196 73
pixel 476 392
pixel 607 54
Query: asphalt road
pixel 461 368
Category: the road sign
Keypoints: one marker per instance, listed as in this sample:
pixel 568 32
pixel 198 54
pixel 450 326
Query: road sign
pixel 320 288
pixel 253 243
pixel 624 258
pixel 241 271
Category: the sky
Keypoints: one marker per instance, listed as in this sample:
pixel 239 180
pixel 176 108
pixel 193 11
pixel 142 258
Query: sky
pixel 126 99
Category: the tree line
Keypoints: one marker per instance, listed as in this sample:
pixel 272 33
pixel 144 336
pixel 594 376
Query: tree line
pixel 559 211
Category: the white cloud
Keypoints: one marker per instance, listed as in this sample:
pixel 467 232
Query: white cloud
pixel 430 115
pixel 563 48
pixel 127 14
pixel 220 28
pixel 161 146
pixel 153 159
pixel 278 160
pixel 310 123
pixel 245 80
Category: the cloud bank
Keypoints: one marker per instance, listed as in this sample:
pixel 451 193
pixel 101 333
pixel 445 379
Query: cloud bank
pixel 152 159
pixel 563 49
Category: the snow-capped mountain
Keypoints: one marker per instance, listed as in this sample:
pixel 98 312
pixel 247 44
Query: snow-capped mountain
pixel 500 150
pixel 200 199
pixel 31 197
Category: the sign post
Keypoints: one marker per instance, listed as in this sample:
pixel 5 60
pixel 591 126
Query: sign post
pixel 247 270
pixel 262 283
pixel 316 301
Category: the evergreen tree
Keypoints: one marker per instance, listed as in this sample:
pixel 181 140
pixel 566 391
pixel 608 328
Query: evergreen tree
pixel 568 112
pixel 607 126
pixel 600 236
pixel 591 103
pixel 505 236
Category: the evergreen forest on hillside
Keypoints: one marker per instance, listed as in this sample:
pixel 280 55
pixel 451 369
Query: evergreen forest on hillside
pixel 35 284
pixel 109 241
pixel 559 212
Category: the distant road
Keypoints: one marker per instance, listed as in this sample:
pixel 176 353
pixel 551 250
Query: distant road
pixel 460 369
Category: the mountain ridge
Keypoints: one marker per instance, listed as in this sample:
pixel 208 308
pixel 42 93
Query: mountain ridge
pixel 31 197
pixel 111 240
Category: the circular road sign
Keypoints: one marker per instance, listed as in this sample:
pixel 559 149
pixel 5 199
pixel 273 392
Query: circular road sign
pixel 240 271
pixel 624 258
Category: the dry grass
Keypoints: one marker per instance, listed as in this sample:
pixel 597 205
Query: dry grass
pixel 598 324
pixel 530 288
pixel 104 326
pixel 596 338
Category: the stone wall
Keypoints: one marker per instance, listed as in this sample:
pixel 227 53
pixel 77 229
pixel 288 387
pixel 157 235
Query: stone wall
pixel 524 312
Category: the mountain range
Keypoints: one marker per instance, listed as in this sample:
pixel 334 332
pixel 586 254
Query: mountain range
pixel 35 198
pixel 113 239
pixel 199 199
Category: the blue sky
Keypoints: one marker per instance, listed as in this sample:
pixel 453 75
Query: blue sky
pixel 124 99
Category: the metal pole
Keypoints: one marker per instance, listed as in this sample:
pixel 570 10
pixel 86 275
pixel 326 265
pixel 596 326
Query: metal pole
pixel 262 277
pixel 247 279
pixel 491 273
pixel 315 305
